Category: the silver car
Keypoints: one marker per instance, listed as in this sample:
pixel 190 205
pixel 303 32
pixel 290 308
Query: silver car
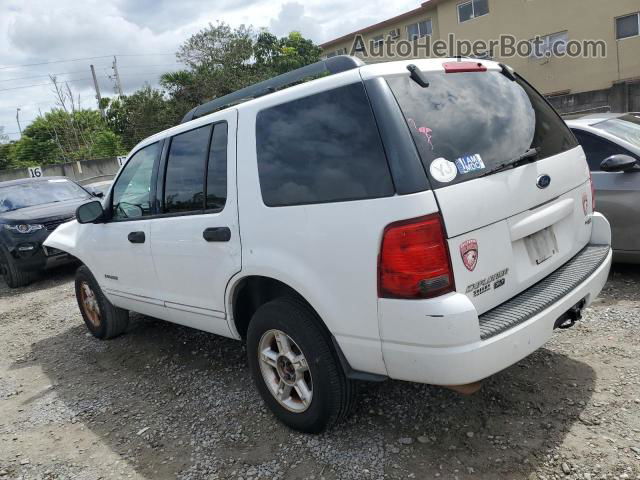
pixel 612 145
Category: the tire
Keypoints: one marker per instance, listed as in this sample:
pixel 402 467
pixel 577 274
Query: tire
pixel 332 394
pixel 13 276
pixel 103 319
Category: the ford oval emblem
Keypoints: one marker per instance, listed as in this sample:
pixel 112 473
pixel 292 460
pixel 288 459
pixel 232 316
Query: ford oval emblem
pixel 543 181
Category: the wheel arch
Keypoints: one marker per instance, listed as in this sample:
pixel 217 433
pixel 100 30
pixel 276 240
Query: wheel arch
pixel 250 292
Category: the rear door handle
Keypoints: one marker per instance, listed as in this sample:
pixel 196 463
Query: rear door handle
pixel 137 237
pixel 219 234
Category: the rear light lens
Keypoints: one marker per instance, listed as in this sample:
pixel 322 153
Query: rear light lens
pixel 414 260
pixel 593 193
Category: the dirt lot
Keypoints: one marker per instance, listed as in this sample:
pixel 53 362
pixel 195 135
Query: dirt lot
pixel 164 402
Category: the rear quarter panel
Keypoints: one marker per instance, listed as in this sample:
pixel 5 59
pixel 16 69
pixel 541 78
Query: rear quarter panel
pixel 326 252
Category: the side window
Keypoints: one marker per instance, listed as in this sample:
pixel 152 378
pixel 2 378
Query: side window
pixel 321 148
pixel 597 149
pixel 184 177
pixel 217 168
pixel 132 192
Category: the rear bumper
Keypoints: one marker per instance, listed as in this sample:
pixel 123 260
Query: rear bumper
pixel 447 344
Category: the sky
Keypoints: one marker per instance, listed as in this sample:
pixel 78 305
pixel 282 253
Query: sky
pixel 144 35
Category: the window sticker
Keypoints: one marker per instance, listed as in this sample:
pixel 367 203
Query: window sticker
pixel 426 131
pixel 469 163
pixel 443 170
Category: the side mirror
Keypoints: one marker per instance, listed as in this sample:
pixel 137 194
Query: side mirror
pixel 89 212
pixel 618 163
pixel 94 192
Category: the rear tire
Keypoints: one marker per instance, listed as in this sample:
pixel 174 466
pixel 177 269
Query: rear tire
pixel 103 319
pixel 329 394
pixel 13 276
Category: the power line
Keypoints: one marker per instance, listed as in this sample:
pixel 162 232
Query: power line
pixel 44 84
pixel 97 66
pixel 5 67
pixel 40 76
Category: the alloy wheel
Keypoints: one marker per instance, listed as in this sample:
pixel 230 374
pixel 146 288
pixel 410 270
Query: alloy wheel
pixel 285 370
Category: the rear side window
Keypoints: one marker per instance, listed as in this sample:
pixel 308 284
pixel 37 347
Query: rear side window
pixel 184 178
pixel 217 168
pixel 467 124
pixel 321 148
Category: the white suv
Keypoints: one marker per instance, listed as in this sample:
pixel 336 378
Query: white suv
pixel 429 221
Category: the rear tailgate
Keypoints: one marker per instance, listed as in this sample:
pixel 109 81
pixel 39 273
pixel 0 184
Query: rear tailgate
pixel 510 179
pixel 505 256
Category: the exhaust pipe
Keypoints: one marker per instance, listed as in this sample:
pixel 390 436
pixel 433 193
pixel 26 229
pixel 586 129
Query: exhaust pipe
pixel 573 315
pixel 468 389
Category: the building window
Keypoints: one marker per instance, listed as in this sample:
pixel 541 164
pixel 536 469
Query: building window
pixel 378 40
pixel 628 26
pixel 550 45
pixel 420 29
pixel 472 9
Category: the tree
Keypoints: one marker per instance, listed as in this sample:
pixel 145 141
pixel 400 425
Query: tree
pixel 61 136
pixel 5 150
pixel 221 60
pixel 141 114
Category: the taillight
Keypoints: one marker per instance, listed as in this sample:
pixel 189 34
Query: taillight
pixel 463 67
pixel 414 260
pixel 593 193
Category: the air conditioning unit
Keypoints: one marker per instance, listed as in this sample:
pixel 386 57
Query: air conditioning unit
pixel 394 33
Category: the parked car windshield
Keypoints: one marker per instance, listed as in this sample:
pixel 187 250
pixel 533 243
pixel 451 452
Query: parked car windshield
pixel 626 128
pixel 471 123
pixel 23 195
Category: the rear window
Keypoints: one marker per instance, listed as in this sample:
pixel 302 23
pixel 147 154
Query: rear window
pixel 466 124
pixel 321 148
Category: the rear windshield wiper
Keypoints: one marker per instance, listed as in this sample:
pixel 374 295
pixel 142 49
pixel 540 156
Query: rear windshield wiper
pixel 416 76
pixel 527 157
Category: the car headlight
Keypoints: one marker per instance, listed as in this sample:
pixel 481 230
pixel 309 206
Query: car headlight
pixel 24 228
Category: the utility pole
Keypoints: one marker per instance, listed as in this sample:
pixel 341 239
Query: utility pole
pixel 95 84
pixel 117 75
pixel 18 120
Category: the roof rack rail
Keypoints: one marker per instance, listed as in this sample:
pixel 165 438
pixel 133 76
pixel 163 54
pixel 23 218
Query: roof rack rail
pixel 333 65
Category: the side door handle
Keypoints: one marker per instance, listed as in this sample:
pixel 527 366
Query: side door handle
pixel 219 234
pixel 136 237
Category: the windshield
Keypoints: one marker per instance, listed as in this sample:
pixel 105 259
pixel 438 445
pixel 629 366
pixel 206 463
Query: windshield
pixel 626 128
pixel 467 124
pixel 25 195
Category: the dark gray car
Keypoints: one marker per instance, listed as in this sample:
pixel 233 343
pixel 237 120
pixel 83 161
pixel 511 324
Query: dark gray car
pixel 612 145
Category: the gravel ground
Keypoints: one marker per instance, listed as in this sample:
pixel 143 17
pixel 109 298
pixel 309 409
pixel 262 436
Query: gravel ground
pixel 164 401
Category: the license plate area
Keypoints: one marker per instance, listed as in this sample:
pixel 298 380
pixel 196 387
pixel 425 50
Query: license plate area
pixel 541 246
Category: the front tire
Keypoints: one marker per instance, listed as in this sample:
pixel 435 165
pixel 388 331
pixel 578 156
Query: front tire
pixel 13 276
pixel 295 368
pixel 103 319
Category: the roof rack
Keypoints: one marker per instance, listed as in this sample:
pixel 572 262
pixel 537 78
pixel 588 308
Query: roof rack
pixel 331 66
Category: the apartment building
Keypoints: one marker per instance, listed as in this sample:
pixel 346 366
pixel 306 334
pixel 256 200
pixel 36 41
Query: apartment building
pixel 609 81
